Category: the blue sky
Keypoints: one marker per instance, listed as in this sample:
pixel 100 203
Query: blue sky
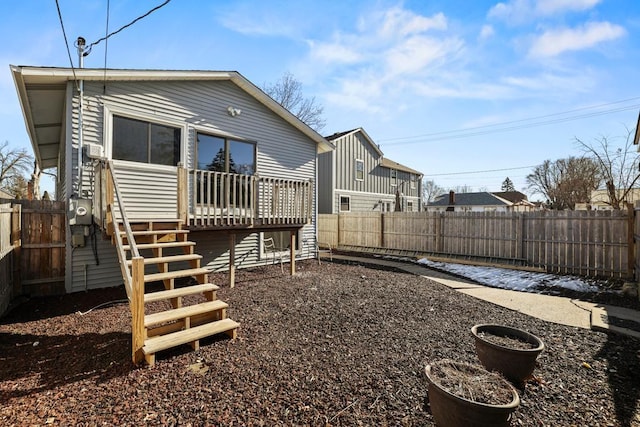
pixel 445 87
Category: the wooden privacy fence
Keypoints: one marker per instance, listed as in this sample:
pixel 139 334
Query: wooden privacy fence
pixel 9 243
pixel 585 243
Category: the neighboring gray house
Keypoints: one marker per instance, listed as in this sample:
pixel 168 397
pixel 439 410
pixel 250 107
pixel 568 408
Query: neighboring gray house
pixel 146 158
pixel 509 201
pixel 356 177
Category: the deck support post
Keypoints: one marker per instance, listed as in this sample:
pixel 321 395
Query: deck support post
pixel 232 260
pixel 137 309
pixel 292 254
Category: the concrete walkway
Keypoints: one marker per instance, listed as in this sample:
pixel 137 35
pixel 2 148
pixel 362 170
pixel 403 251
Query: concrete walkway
pixel 554 309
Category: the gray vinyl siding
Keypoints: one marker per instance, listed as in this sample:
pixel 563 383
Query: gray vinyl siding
pixel 282 152
pixel 366 195
pixel 325 182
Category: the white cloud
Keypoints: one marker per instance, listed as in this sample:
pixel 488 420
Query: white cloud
pixel 550 7
pixel 486 32
pixel 398 22
pixel 518 11
pixel 514 11
pixel 387 49
pixel 554 42
pixel 334 52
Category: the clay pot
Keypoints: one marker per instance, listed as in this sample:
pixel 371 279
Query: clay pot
pixel 516 364
pixel 451 410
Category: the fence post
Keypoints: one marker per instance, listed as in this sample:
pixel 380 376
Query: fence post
pixel 16 242
pixel 439 218
pixel 520 236
pixel 382 230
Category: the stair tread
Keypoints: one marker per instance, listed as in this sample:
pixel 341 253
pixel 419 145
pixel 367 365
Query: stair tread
pixel 179 292
pixel 155 232
pixel 160 245
pixel 170 258
pixel 183 312
pixel 163 342
pixel 175 274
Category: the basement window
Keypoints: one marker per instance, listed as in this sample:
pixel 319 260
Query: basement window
pixel 345 204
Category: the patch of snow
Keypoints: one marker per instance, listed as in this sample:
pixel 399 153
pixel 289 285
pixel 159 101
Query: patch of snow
pixel 518 280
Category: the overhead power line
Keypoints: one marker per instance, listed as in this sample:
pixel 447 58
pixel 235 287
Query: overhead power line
pixel 482 171
pixel 515 124
pixel 125 26
pixel 66 42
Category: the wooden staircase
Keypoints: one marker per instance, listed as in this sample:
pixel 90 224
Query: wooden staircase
pixel 178 323
pixel 191 310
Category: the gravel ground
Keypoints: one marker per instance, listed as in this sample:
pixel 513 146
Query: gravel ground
pixel 335 345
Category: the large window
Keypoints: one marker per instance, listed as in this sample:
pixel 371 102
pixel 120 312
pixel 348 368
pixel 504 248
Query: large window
pixel 359 170
pixel 145 142
pixel 226 155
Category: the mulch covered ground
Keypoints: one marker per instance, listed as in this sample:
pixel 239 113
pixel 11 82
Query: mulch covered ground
pixel 335 345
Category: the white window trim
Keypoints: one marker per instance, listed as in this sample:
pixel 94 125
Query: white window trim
pixel 394 180
pixel 107 131
pixel 356 169
pixel 413 182
pixel 340 203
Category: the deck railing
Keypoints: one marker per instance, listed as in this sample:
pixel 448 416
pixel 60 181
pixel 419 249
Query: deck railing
pixel 227 199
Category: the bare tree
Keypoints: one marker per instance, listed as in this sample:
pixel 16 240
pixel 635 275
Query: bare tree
pixel 14 165
pixel 565 182
pixel 618 165
pixel 288 92
pixel 430 191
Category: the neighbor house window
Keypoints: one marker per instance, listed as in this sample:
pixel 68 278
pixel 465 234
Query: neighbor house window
pixel 226 155
pixel 359 170
pixel 409 206
pixel 345 204
pixel 394 177
pixel 413 182
pixel 145 142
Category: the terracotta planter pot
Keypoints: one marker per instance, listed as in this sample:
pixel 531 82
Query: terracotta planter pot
pixel 450 410
pixel 516 364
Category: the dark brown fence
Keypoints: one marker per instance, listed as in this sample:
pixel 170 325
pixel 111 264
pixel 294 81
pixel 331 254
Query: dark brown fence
pixel 42 252
pixel 586 243
pixel 32 249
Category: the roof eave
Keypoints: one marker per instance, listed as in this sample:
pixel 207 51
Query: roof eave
pixel 21 88
pixel 63 75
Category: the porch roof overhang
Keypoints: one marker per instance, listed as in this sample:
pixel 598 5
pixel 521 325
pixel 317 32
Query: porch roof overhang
pixel 42 96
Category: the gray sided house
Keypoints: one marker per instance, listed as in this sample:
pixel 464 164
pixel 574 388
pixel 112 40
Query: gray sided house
pixel 170 175
pixel 356 177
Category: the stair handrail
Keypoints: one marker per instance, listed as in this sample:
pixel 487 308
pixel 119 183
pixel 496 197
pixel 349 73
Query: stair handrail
pixel 127 228
pixel 134 278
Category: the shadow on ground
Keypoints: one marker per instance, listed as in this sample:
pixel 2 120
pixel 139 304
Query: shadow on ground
pixel 623 357
pixel 32 363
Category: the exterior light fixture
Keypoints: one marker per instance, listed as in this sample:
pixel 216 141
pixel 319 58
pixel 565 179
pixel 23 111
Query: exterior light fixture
pixel 232 111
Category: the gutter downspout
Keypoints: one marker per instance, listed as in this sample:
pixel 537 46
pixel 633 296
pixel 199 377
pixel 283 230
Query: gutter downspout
pixel 80 45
